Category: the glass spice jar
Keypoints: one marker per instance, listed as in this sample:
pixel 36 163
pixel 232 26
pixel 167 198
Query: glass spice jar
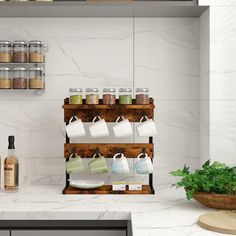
pixel 109 96
pixel 125 96
pixel 142 96
pixel 5 78
pixel 92 96
pixel 37 51
pixel 36 78
pixel 19 78
pixel 5 51
pixel 76 96
pixel 19 51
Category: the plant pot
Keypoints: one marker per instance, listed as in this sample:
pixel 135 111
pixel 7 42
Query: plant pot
pixel 217 201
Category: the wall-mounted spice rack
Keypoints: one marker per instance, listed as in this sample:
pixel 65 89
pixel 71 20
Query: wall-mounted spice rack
pixel 22 65
pixel 131 150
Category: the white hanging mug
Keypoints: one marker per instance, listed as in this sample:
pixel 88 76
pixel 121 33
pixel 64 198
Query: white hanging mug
pixel 122 128
pixel 144 165
pixel 75 128
pixel 146 128
pixel 120 165
pixel 98 128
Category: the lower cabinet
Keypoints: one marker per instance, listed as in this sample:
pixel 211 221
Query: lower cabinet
pixel 66 233
pixel 4 233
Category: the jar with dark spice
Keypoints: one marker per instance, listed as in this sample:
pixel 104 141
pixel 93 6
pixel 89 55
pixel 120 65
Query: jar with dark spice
pixel 142 96
pixel 37 51
pixel 109 96
pixel 5 78
pixel 36 78
pixel 19 51
pixel 5 51
pixel 76 96
pixel 125 96
pixel 92 96
pixel 19 78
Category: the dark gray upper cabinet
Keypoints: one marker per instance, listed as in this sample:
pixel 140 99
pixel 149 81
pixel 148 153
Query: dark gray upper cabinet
pixel 102 8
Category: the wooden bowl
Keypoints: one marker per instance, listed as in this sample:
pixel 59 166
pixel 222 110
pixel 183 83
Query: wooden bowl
pixel 217 201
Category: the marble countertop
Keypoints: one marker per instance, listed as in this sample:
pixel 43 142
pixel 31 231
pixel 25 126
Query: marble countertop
pixel 166 213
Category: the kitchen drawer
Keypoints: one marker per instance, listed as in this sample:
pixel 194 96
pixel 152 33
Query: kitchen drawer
pixel 67 233
pixel 4 233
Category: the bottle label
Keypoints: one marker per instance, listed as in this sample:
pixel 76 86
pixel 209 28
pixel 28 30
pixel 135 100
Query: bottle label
pixel 11 175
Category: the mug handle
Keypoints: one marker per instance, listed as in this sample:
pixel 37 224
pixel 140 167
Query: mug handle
pixel 72 117
pixel 120 117
pixel 141 155
pixel 143 117
pixel 72 154
pixel 114 157
pixel 95 154
pixel 96 118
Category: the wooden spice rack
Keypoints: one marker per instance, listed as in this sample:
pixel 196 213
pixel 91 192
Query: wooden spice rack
pixel 131 150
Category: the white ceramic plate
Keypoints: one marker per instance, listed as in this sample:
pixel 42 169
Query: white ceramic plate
pixel 86 184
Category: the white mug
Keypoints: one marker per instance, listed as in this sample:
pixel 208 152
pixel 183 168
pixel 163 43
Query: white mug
pixel 122 128
pixel 146 128
pixel 98 128
pixel 120 165
pixel 75 128
pixel 144 165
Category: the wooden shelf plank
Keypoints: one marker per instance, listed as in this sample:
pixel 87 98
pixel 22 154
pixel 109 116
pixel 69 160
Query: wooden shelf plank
pixel 108 112
pixel 85 150
pixel 106 189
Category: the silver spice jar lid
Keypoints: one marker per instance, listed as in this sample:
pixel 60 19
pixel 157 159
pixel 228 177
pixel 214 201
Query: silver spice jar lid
pixel 139 90
pixel 19 69
pixel 90 90
pixel 36 43
pixel 5 69
pixel 19 43
pixel 36 69
pixel 125 90
pixel 76 90
pixel 5 43
pixel 107 90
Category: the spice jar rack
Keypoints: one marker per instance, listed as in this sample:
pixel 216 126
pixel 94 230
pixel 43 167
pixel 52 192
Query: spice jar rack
pixel 108 112
pixel 22 66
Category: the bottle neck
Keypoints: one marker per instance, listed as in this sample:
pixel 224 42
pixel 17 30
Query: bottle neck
pixel 11 152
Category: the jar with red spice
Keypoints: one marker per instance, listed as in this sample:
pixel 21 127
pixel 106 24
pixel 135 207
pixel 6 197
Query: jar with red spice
pixel 109 96
pixel 19 51
pixel 20 78
pixel 142 96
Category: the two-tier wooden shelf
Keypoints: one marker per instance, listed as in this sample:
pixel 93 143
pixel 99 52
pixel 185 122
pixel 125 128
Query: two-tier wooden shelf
pixel 131 150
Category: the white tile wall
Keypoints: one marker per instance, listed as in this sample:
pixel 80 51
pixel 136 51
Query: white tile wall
pixel 222 81
pixel 159 53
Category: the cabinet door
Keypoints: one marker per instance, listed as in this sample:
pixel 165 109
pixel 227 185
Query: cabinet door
pixel 68 233
pixel 4 233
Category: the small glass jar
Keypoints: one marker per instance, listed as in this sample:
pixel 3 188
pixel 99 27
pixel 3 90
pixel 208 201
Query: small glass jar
pixel 5 51
pixel 92 96
pixel 76 96
pixel 19 51
pixel 36 78
pixel 142 96
pixel 5 78
pixel 36 51
pixel 125 96
pixel 109 96
pixel 19 78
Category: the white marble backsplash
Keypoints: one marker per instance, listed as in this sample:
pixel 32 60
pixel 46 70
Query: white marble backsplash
pixel 159 53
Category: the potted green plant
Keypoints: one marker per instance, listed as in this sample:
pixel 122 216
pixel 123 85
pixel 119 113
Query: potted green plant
pixel 214 185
